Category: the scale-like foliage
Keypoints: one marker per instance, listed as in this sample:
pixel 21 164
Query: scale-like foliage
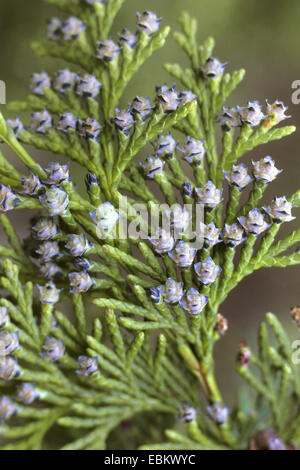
pixel 120 339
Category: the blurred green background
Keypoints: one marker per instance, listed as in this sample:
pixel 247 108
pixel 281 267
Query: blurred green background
pixel 261 36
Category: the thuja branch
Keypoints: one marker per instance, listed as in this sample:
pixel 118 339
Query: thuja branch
pixel 126 319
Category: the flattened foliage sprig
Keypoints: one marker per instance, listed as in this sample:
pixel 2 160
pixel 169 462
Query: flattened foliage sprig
pixel 110 338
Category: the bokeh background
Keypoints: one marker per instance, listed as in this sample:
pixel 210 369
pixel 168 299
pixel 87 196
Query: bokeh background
pixel 261 36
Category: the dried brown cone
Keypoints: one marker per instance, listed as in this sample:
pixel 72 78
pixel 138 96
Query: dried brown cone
pixel 221 325
pixel 268 439
pixel 295 313
pixel 243 355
